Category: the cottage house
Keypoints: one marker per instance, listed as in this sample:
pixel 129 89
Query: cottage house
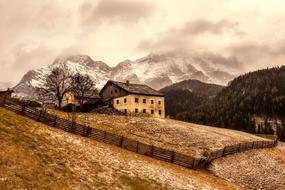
pixel 70 98
pixel 134 98
pixel 6 93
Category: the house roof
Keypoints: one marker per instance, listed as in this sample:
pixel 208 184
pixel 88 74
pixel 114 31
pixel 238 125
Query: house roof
pixel 91 94
pixel 131 88
pixel 6 91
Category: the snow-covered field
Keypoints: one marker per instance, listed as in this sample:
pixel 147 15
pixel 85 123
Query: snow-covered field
pixel 255 169
pixel 187 138
pixel 35 156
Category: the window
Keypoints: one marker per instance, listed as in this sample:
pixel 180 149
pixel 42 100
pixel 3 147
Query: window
pixel 152 111
pixel 136 100
pixel 136 110
pixel 144 110
pixel 151 101
pixel 111 92
pixel 159 112
pixel 125 100
pixel 126 111
pixel 144 101
pixel 115 91
pixel 159 102
pixel 118 101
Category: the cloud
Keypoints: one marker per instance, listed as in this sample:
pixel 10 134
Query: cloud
pixel 126 11
pixel 257 55
pixel 30 55
pixel 33 33
pixel 201 26
pixel 187 35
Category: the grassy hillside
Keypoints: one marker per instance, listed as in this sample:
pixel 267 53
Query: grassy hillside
pixel 255 169
pixel 35 156
pixel 187 138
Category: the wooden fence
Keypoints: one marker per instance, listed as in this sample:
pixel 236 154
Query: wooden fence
pixel 130 144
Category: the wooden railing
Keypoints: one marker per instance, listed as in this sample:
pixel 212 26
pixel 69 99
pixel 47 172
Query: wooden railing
pixel 187 161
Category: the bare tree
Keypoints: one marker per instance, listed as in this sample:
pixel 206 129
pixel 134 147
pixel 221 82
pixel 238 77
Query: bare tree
pixel 57 83
pixel 81 86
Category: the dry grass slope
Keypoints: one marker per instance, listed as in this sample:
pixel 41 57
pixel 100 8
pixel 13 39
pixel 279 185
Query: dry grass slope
pixel 187 138
pixel 254 169
pixel 35 156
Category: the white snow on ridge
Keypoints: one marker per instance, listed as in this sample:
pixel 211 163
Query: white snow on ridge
pixel 36 83
pixel 155 70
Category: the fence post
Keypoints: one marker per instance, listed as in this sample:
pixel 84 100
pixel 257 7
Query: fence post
pixel 137 148
pixel 198 164
pixel 193 162
pixel 55 121
pixel 4 101
pixel 224 151
pixel 104 136
pixel 40 115
pixel 239 145
pixel 88 131
pixel 121 142
pixel 275 142
pixel 172 156
pixel 151 150
pixel 23 108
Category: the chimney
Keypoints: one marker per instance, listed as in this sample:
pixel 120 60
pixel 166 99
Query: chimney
pixel 127 82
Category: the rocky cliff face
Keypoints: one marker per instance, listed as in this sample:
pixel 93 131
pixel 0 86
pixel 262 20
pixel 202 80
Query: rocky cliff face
pixel 155 70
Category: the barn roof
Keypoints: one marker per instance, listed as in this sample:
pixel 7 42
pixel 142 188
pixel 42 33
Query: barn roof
pixel 131 88
pixel 6 91
pixel 90 94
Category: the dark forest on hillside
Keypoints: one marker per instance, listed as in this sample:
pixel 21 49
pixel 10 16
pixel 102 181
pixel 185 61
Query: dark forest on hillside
pixel 188 95
pixel 259 93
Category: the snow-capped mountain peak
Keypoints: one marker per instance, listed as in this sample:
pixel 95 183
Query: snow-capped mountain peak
pixel 155 70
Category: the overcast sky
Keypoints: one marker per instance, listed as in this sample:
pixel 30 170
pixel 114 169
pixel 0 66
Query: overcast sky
pixel 34 32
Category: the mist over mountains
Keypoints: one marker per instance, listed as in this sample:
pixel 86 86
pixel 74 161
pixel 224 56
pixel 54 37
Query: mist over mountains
pixel 155 70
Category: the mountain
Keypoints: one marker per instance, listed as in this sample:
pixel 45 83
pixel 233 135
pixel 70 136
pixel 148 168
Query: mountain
pixel 256 94
pixel 155 70
pixel 97 70
pixel 188 95
pixel 160 70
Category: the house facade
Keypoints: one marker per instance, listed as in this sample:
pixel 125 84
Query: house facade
pixel 70 98
pixel 6 93
pixel 134 98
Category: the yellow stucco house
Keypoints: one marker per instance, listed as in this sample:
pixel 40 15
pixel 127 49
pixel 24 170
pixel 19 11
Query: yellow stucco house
pixel 134 98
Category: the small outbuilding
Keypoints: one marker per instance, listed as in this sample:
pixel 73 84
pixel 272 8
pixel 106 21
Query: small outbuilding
pixel 70 98
pixel 134 98
pixel 6 93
